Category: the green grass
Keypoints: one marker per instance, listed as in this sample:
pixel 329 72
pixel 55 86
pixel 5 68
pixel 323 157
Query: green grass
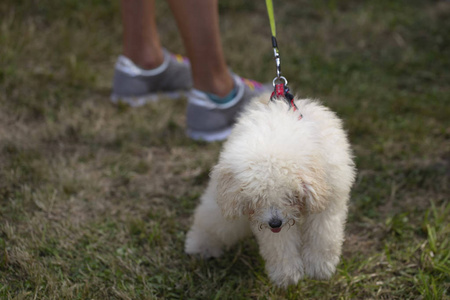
pixel 95 199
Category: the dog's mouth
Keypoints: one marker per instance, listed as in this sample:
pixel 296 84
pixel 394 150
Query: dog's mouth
pixel 275 230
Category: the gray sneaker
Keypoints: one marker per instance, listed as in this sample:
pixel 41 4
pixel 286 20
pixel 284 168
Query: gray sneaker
pixel 209 121
pixel 135 86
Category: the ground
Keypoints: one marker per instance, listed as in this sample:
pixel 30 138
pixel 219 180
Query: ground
pixel 96 199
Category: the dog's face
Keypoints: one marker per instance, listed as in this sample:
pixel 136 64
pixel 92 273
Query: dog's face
pixel 272 196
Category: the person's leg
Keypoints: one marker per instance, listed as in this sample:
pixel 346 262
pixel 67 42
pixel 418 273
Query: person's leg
pixel 198 22
pixel 141 42
pixel 218 95
pixel 146 70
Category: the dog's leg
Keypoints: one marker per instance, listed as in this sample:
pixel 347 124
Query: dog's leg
pixel 323 235
pixel 211 232
pixel 281 252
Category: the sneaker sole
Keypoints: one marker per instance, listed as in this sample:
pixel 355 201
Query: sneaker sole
pixel 209 136
pixel 136 101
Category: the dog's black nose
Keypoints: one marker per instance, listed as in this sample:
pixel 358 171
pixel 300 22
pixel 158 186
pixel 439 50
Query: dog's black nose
pixel 275 223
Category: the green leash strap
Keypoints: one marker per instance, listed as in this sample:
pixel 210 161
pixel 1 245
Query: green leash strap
pixel 276 53
pixel 269 6
pixel 279 82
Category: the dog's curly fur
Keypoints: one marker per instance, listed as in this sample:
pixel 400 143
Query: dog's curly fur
pixel 285 179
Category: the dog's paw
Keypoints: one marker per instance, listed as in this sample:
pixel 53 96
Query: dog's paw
pixel 320 268
pixel 203 244
pixel 286 273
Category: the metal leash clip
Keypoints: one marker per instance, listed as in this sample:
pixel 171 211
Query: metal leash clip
pixel 281 90
pixel 280 82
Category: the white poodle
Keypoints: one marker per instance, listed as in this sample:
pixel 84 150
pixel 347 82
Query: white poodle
pixel 284 175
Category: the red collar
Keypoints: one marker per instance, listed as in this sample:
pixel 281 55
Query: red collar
pixel 282 91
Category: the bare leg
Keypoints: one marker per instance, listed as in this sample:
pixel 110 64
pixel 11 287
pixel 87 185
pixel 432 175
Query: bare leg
pixel 140 36
pixel 198 22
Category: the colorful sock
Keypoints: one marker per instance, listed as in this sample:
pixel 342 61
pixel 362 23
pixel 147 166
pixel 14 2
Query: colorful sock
pixel 223 100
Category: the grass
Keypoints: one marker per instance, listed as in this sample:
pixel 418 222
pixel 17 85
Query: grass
pixel 95 200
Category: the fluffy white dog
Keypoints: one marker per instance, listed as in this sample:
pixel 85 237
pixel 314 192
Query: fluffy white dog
pixel 284 175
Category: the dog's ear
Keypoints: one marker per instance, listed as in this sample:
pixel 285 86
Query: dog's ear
pixel 228 193
pixel 313 194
